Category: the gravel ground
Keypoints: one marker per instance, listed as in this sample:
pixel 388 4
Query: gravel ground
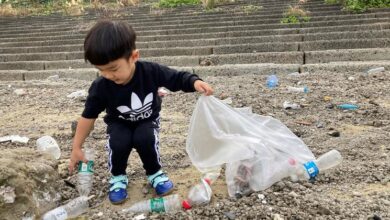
pixel 357 189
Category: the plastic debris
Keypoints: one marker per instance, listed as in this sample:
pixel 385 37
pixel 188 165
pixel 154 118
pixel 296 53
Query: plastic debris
pixel 85 172
pixel 20 92
pixel 14 138
pixel 7 194
pixel 49 145
pixel 272 81
pixel 347 106
pixel 289 105
pixel 140 217
pixel 200 194
pixel 80 95
pixel 304 89
pixel 376 70
pixel 169 203
pixel 72 209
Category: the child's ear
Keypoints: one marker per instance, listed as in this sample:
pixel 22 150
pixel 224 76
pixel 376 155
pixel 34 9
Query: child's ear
pixel 134 55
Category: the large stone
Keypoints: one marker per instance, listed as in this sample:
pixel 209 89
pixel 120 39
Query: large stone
pixel 29 180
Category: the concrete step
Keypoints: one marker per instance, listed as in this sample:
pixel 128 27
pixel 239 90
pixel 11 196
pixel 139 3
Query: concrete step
pixel 263 32
pixel 223 70
pixel 233 27
pixel 291 57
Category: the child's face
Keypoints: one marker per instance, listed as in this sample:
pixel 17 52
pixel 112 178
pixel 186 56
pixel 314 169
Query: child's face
pixel 119 71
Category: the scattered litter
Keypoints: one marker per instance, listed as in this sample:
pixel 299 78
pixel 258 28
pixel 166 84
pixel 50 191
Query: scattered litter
pixel 72 209
pixel 80 95
pixel 375 70
pixel 289 105
pixel 200 194
pixel 272 81
pixel 162 92
pixel 14 138
pixel 53 78
pixel 49 145
pixel 166 204
pixel 347 106
pixel 7 194
pixel 140 217
pixel 298 89
pixel 20 92
pixel 327 98
pixel 228 101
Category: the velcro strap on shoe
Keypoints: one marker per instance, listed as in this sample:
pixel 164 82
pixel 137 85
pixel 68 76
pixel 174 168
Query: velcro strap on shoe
pixel 118 185
pixel 156 179
pixel 118 182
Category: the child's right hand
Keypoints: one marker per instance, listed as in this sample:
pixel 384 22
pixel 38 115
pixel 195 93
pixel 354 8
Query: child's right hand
pixel 76 156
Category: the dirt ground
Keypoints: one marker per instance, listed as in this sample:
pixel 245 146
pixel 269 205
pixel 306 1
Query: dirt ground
pixel 357 189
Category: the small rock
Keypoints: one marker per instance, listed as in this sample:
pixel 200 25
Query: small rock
pixel 276 217
pixel 334 133
pixel 53 78
pixel 73 127
pixel 230 215
pixel 140 217
pixel 261 196
pixel 264 201
pixel 293 194
pixel 329 106
pixel 324 210
pixel 100 214
pixel 351 78
pixel 320 124
pixel 7 194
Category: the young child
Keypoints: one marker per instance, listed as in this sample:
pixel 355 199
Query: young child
pixel 127 90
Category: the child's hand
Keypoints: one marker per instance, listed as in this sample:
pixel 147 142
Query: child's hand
pixel 203 87
pixel 76 156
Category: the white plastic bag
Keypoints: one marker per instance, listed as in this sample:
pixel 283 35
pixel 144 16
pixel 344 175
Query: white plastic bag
pixel 219 134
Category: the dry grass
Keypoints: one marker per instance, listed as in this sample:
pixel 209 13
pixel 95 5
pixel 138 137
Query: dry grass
pixel 296 11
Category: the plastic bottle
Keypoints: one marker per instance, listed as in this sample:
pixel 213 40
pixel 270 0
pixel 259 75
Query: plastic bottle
pixel 200 194
pixel 49 145
pixel 347 106
pixel 85 173
pixel 298 89
pixel 72 209
pixel 310 170
pixel 169 203
pixel 376 70
pixel 272 81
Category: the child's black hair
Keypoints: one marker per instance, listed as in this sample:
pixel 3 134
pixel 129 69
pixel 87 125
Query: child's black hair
pixel 108 41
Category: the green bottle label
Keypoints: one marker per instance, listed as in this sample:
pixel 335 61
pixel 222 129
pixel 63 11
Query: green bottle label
pixel 86 167
pixel 157 205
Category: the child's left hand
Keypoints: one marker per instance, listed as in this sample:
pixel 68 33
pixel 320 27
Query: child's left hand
pixel 203 87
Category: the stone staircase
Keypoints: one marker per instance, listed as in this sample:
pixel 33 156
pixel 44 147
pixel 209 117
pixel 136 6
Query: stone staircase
pixel 228 41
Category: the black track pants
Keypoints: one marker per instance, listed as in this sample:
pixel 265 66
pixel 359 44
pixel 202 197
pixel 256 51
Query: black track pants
pixel 144 137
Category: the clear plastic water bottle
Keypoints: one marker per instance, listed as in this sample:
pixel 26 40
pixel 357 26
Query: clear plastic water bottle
pixel 85 173
pixel 347 106
pixel 72 209
pixel 309 170
pixel 169 203
pixel 272 81
pixel 298 89
pixel 200 194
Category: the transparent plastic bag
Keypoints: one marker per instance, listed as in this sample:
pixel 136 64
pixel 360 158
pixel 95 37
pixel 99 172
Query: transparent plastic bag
pixel 219 134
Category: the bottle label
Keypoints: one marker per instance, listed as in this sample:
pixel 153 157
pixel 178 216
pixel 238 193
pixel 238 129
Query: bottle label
pixel 157 205
pixel 311 169
pixel 60 213
pixel 86 167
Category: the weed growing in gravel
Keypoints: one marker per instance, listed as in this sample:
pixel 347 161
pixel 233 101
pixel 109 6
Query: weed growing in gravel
pixel 295 15
pixel 176 3
pixel 360 5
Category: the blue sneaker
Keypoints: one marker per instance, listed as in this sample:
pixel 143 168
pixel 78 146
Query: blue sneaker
pixel 161 183
pixel 118 189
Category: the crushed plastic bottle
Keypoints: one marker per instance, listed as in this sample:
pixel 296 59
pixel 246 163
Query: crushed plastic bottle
pixel 85 173
pixel 272 81
pixel 49 145
pixel 72 209
pixel 200 194
pixel 289 105
pixel 376 70
pixel 347 106
pixel 309 170
pixel 169 203
pixel 298 89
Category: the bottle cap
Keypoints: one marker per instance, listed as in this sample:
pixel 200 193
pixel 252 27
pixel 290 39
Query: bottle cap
pixel 208 181
pixel 186 205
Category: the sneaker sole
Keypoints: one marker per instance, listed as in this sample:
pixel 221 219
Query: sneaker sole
pixel 166 193
pixel 118 203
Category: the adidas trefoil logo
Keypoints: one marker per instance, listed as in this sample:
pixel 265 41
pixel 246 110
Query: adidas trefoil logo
pixel 138 110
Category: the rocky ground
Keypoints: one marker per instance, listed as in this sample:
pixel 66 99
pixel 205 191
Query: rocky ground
pixel 357 189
